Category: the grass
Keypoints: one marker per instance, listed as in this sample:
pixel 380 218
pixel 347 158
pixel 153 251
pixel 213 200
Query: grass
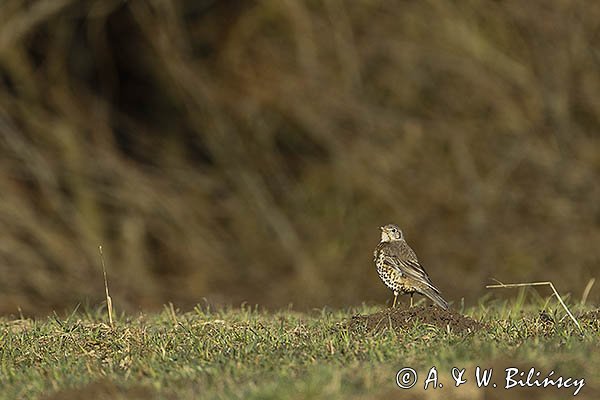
pixel 255 354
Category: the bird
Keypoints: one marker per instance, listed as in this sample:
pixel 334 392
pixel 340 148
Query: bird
pixel 400 270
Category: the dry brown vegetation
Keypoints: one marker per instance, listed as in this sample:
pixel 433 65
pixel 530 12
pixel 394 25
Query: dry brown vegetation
pixel 249 150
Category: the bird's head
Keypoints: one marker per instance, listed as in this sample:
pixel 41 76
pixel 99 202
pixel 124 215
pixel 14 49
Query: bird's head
pixel 391 232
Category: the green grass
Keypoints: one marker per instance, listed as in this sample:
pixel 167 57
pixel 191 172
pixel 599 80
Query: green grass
pixel 248 353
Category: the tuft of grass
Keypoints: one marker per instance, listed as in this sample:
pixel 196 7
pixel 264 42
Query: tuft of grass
pixel 253 354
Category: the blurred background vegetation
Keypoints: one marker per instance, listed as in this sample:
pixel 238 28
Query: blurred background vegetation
pixel 249 150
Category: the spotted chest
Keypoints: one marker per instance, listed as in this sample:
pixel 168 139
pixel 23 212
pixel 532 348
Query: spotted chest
pixel 391 277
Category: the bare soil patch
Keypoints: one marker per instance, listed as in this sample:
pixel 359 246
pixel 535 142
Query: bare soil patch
pixel 405 318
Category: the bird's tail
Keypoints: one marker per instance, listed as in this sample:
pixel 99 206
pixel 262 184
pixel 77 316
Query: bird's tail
pixel 435 296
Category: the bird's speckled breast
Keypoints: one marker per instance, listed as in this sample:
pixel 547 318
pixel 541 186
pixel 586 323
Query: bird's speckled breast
pixel 390 276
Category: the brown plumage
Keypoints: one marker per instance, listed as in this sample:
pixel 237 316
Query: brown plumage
pixel 400 270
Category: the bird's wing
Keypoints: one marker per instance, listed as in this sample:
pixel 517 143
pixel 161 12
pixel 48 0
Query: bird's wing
pixel 416 271
pixel 404 259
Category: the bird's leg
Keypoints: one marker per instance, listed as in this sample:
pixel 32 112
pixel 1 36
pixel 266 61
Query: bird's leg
pixel 395 298
pixel 411 299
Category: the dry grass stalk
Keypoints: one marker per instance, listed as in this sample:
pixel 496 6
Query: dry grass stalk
pixel 172 313
pixel 586 291
pixel 108 298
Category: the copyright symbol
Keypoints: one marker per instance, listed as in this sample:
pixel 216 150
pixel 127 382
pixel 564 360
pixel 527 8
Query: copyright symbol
pixel 406 378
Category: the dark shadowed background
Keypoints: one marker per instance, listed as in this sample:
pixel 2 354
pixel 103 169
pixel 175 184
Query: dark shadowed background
pixel 249 150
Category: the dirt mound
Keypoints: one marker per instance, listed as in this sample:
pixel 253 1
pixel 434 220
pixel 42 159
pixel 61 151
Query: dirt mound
pixel 590 318
pixel 405 318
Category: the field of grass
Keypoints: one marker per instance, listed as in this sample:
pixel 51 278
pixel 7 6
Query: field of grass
pixel 249 353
